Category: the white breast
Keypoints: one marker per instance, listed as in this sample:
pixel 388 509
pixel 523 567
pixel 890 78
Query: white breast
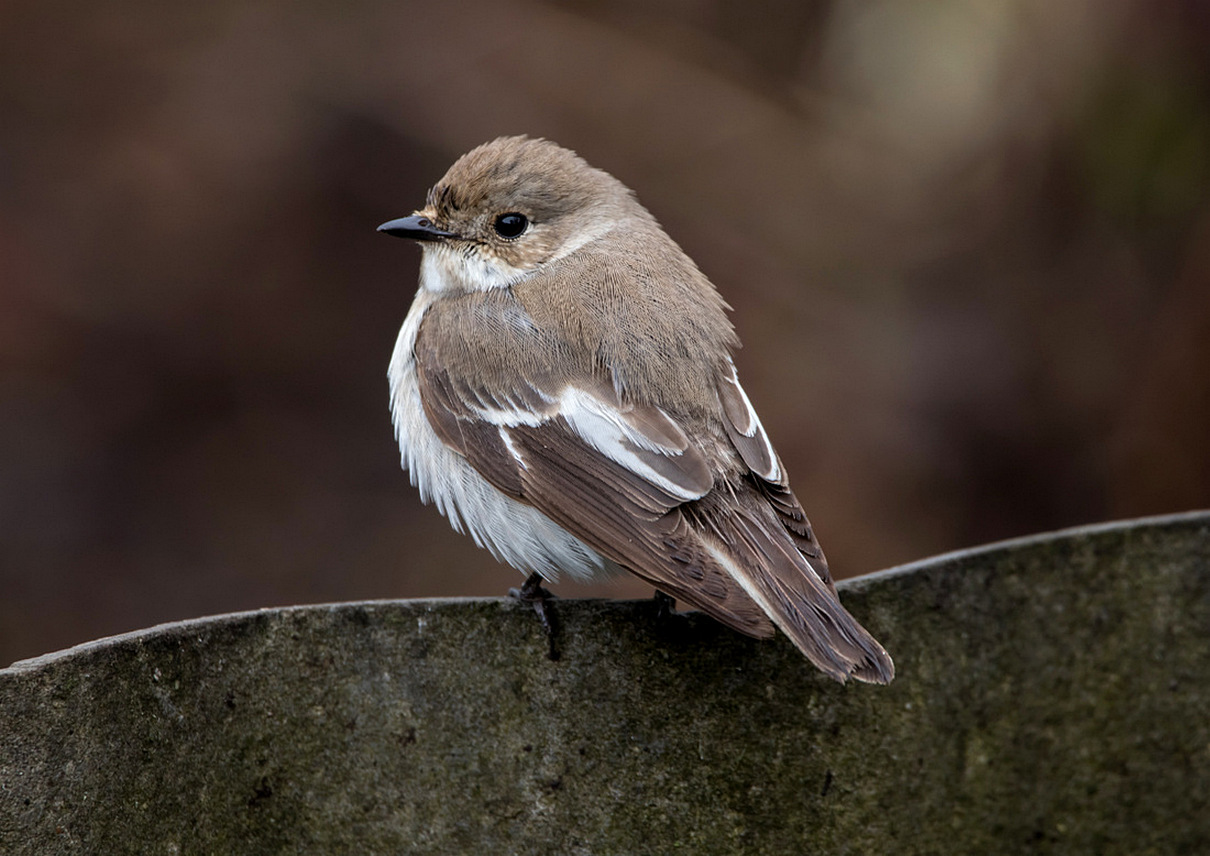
pixel 514 532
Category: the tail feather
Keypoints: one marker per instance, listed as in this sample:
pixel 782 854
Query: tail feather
pixel 757 553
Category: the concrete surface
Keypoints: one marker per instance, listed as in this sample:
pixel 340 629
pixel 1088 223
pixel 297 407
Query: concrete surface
pixel 1052 697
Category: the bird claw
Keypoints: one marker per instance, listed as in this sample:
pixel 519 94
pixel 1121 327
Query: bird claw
pixel 535 595
pixel 665 607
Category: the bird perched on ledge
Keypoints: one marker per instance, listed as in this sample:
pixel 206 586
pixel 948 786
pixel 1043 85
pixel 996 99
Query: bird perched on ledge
pixel 563 389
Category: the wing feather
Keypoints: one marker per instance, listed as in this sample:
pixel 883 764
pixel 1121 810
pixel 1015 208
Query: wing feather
pixel 625 479
pixel 614 477
pixel 748 436
pixel 745 429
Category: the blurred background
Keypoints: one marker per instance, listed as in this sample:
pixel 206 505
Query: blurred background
pixel 968 247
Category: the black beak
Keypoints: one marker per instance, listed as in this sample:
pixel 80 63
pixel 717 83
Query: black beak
pixel 415 227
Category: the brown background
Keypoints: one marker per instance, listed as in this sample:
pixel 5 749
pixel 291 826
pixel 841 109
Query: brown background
pixel 968 245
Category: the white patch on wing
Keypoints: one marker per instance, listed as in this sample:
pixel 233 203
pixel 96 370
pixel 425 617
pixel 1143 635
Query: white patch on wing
pixel 507 439
pixel 753 425
pixel 605 429
pixel 754 428
pixel 510 418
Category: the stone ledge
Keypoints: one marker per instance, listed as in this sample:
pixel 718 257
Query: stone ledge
pixel 1051 695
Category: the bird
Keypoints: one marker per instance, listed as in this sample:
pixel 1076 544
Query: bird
pixel 563 389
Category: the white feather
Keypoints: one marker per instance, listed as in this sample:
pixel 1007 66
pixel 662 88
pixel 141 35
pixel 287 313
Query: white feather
pixel 754 428
pixel 602 427
pixel 443 268
pixel 514 532
pixel 605 429
pixel 507 439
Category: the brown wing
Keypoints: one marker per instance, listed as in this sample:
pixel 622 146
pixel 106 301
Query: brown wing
pixel 552 449
pixel 788 576
pixel 748 436
pixel 625 479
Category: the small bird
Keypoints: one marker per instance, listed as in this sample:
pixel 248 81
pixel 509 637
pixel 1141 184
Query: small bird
pixel 563 390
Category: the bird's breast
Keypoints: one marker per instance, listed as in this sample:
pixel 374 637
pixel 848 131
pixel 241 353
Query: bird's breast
pixel 512 531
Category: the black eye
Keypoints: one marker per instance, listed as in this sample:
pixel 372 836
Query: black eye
pixel 510 225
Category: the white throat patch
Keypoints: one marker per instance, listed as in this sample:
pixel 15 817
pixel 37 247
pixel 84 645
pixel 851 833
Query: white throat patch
pixel 446 268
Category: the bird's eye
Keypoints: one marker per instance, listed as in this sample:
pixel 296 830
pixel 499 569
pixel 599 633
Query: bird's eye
pixel 511 225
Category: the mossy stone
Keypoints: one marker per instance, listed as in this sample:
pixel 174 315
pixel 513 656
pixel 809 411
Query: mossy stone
pixel 1051 697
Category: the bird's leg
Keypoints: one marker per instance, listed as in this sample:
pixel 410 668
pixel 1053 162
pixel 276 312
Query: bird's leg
pixel 665 606
pixel 531 592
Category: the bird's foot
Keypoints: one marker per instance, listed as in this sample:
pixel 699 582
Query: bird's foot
pixel 665 607
pixel 535 595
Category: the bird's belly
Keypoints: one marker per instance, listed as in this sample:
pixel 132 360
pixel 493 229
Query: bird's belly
pixel 514 532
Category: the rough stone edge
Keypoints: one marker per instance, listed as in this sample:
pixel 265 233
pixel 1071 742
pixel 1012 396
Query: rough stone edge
pixel 857 584
pixel 865 581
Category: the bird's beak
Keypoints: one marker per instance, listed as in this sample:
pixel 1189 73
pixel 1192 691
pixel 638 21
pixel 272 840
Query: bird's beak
pixel 416 227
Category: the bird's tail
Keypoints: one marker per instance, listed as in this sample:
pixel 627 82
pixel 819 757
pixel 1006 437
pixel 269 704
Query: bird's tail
pixel 759 555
